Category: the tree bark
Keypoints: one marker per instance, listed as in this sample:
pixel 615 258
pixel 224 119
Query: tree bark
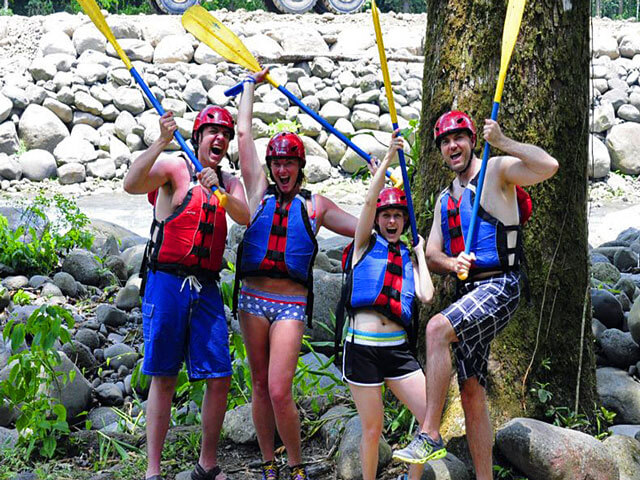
pixel 620 7
pixel 544 103
pixel 598 8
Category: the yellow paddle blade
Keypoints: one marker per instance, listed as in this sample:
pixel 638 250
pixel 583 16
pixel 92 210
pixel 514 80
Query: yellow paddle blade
pixel 91 8
pixel 512 22
pixel 209 30
pixel 383 62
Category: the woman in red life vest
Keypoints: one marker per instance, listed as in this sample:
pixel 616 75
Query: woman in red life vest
pixel 183 314
pixel 383 285
pixel 275 262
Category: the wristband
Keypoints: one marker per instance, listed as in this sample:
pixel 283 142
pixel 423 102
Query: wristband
pixel 249 79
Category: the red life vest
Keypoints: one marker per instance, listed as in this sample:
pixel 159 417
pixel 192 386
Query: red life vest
pixel 192 239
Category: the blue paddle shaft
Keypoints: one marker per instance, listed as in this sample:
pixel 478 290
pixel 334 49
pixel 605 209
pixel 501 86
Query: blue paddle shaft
pixel 483 170
pixel 160 110
pixel 407 191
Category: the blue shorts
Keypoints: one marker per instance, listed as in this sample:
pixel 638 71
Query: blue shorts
pixel 483 310
pixel 182 322
pixel 272 306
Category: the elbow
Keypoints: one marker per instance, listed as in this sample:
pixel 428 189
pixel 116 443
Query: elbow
pixel 127 185
pixel 554 167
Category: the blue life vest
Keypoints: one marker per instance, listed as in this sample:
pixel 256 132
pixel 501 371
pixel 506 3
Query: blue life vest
pixel 490 245
pixel 279 242
pixel 382 280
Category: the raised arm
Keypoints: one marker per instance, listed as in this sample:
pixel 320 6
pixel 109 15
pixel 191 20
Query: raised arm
pixel 145 174
pixel 421 275
pixel 254 178
pixel 334 218
pixel 527 164
pixel 368 213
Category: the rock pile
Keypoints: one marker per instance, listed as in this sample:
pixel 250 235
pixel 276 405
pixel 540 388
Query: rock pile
pixel 74 113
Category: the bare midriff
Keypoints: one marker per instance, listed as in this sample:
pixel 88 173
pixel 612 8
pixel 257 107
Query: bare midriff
pixel 372 321
pixel 282 286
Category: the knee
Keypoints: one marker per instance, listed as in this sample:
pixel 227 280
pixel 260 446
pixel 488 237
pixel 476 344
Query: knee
pixel 164 386
pixel 280 394
pixel 472 395
pixel 371 433
pixel 438 330
pixel 260 386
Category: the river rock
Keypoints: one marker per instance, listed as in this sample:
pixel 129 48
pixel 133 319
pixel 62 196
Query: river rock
pixel 110 315
pixel 348 465
pixel 57 42
pixel 37 165
pixel 82 265
pixel 603 118
pixel 120 354
pixel 625 452
pixel 173 48
pixel 619 348
pixel 40 128
pixel 134 49
pixel 238 425
pixel 71 173
pixel 109 395
pixel 626 259
pixel 605 272
pixel 548 452
pixel 633 321
pixel 606 308
pixel 128 298
pixel 74 150
pixel 620 393
pixel 9 143
pixel 5 107
pixel 101 417
pixel 81 355
pixel 75 395
pixel 599 160
pixel 9 167
pixel 8 438
pixel 623 143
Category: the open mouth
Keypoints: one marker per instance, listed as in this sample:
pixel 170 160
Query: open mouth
pixel 216 150
pixel 456 156
pixel 284 180
pixel 392 231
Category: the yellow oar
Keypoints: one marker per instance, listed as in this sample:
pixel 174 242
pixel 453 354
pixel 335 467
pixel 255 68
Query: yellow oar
pixel 205 27
pixel 394 116
pixel 93 11
pixel 512 22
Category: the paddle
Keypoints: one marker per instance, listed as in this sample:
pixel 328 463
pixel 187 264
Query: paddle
pixel 515 9
pixel 209 30
pixel 93 11
pixel 394 116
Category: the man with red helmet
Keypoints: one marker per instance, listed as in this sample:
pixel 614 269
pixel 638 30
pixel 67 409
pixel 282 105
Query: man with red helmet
pixel 382 287
pixel 487 299
pixel 275 263
pixel 183 314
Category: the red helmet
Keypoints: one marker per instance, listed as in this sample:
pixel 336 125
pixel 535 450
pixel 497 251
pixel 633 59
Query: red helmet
pixel 286 144
pixel 212 115
pixel 452 122
pixel 391 197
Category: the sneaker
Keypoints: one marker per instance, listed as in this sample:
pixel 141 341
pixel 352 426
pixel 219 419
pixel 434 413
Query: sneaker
pixel 298 473
pixel 421 450
pixel 270 470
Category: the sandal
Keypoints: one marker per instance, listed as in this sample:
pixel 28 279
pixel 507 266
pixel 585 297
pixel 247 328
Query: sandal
pixel 200 473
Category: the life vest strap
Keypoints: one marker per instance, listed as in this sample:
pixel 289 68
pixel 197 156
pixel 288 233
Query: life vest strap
pixel 391 293
pixel 275 256
pixel 394 269
pixel 206 228
pixel 210 207
pixel 199 251
pixel 455 232
pixel 279 230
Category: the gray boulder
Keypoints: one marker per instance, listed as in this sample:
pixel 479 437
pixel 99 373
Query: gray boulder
pixel 74 149
pixel 37 165
pixel 607 308
pixel 76 395
pixel 633 321
pixel 120 354
pixel 348 465
pixel 88 337
pixel 620 393
pixel 8 438
pixel 625 452
pixel 9 143
pixel 547 452
pixel 604 117
pixel 40 128
pixel 6 106
pixel 102 417
pixel 128 298
pixel 80 354
pixel 333 422
pixel 623 142
pixel 625 259
pixel 66 283
pixel 9 167
pixel 174 48
pixel 109 395
pixel 71 173
pixel 619 348
pixel 111 316
pixel 599 160
pixel 14 282
pixel 326 290
pixel 83 266
pixel 238 425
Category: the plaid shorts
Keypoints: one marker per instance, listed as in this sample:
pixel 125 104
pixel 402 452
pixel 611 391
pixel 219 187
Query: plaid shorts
pixel 480 313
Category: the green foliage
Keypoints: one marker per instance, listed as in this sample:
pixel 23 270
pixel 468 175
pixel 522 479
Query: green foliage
pixel 506 473
pixel 617 9
pixel 21 298
pixel 399 6
pixel 233 5
pixel 42 419
pixel 6 12
pixel 283 126
pixel 30 252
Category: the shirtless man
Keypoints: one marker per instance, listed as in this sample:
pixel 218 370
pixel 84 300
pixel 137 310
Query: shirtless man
pixel 183 314
pixel 490 295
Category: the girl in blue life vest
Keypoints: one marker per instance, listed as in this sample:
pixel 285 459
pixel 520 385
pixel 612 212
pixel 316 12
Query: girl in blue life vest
pixel 385 284
pixel 275 264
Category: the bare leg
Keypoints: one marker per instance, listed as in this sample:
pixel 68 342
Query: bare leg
pixel 412 392
pixel 285 338
pixel 368 401
pixel 158 414
pixel 440 335
pixel 478 426
pixel 255 332
pixel 214 406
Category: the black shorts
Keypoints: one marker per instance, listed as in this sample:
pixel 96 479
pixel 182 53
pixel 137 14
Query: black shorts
pixel 370 366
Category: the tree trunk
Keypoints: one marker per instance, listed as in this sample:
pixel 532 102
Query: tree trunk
pixel 544 103
pixel 620 7
pixel 598 8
